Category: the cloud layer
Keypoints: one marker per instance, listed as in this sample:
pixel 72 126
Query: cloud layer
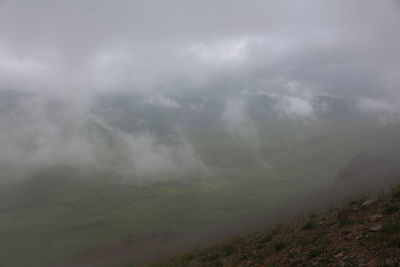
pixel 180 59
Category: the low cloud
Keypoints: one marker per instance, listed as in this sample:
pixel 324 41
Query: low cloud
pixel 160 100
pixel 40 132
pixel 237 120
pixel 382 109
pixel 377 106
pixel 295 108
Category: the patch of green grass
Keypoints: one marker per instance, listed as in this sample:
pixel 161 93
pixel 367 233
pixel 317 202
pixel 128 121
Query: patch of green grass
pixel 278 246
pixel 309 225
pixel 314 253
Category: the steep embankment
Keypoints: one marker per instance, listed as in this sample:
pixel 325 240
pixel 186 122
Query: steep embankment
pixel 366 232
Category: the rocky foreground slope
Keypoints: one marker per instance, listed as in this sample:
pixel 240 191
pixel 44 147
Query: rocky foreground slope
pixel 366 232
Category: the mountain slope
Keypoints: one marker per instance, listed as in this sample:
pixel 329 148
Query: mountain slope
pixel 366 232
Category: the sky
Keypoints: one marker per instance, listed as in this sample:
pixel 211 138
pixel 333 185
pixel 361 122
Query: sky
pixel 70 52
pixel 141 45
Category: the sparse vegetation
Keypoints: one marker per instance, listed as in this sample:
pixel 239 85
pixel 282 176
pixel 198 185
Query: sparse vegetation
pixel 332 244
pixel 396 195
pixel 390 209
pixel 391 227
pixel 344 218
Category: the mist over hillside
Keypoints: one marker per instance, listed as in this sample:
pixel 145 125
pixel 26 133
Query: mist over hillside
pixel 144 120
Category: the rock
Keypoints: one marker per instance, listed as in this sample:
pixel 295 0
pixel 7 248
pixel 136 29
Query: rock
pixel 375 217
pixel 339 255
pixel 376 228
pixel 368 202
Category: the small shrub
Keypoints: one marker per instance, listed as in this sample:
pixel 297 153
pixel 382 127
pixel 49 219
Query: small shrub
pixel 228 250
pixel 394 242
pixel 391 227
pixel 396 195
pixel 266 239
pixel 338 250
pixel 263 256
pixel 327 261
pixel 275 232
pixel 314 253
pixel 390 209
pixel 309 225
pixel 344 222
pixel 303 242
pixel 316 238
pixel 278 246
pixel 344 218
pixel 212 257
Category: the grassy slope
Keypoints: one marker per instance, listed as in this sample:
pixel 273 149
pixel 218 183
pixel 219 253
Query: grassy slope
pixel 56 216
pixel 365 232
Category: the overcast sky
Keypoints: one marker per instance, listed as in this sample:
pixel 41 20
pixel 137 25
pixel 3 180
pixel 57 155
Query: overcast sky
pixel 343 47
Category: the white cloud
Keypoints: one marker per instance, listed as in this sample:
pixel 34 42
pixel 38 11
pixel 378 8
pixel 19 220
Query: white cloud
pixel 46 131
pixel 375 105
pixel 237 120
pixel 221 52
pixel 296 107
pixel 163 101
pixel 385 111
